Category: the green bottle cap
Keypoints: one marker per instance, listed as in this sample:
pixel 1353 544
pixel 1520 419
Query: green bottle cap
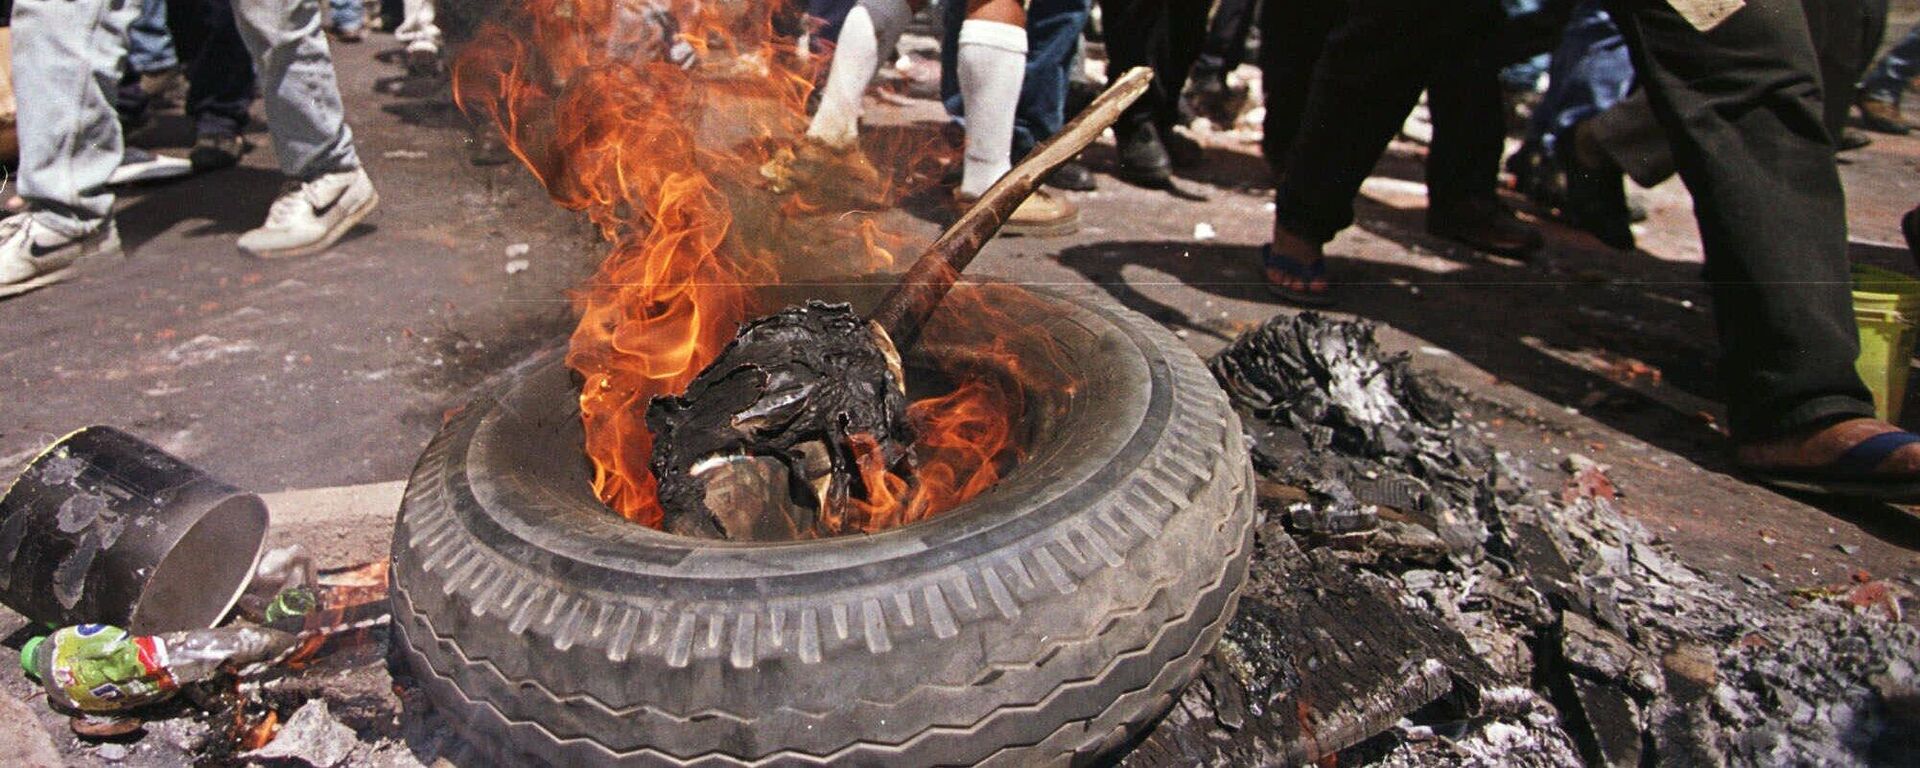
pixel 30 653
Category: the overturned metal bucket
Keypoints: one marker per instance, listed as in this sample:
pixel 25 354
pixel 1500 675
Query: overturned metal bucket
pixel 103 527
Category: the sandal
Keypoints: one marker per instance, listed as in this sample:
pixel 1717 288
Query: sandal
pixel 1280 269
pixel 1853 475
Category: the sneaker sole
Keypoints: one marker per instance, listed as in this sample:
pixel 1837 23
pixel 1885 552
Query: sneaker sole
pixel 334 233
pixel 107 248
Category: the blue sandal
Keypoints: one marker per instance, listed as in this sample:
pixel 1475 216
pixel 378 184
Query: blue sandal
pixel 1304 274
pixel 1854 475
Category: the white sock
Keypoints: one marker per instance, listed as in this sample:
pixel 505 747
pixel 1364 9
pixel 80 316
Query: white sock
pixel 993 61
pixel 871 27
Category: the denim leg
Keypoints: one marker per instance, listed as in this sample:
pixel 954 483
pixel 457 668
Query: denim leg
pixel 304 114
pixel 66 67
pixel 1053 31
pixel 1888 80
pixel 1591 72
pixel 149 43
pixel 347 14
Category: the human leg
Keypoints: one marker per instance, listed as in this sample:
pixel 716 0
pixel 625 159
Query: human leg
pixel 1292 36
pixel 66 66
pixel 347 19
pixel 220 80
pixel 1468 105
pixel 992 61
pixel 149 42
pixel 1369 76
pixel 417 29
pixel 1053 34
pixel 310 134
pixel 871 28
pixel 1741 107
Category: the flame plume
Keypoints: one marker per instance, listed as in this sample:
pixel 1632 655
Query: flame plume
pixel 656 118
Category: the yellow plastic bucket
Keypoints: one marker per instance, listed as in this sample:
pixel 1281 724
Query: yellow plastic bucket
pixel 1886 305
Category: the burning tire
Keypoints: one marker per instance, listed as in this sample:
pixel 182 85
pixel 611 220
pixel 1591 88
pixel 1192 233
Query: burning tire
pixel 1046 621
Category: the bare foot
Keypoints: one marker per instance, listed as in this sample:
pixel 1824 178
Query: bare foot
pixel 1822 447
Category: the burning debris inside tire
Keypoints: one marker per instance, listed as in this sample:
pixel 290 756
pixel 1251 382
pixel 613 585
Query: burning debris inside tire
pixel 790 412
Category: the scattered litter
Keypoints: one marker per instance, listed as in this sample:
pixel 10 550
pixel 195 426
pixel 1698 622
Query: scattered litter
pixel 98 668
pixel 517 266
pixel 518 250
pixel 404 154
pixel 1204 231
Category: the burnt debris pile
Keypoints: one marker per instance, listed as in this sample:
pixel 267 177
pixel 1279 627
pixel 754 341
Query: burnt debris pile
pixel 768 441
pixel 1419 598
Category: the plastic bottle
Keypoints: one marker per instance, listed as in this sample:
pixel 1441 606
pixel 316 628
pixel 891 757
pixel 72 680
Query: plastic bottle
pixel 101 668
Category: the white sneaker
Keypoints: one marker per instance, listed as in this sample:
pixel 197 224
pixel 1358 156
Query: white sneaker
pixel 308 217
pixel 138 165
pixel 33 256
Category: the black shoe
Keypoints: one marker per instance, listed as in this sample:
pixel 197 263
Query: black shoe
pixel 1183 151
pixel 1597 202
pixel 1851 139
pixel 1072 176
pixel 214 151
pixel 1485 225
pixel 1143 159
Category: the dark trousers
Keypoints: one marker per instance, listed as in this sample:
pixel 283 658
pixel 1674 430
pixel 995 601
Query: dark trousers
pixel 1225 46
pixel 1053 34
pixel 1742 107
pixel 1164 35
pixel 1844 33
pixel 220 81
pixel 1333 106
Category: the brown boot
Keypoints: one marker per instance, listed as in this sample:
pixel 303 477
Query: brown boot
pixel 1882 116
pixel 1042 215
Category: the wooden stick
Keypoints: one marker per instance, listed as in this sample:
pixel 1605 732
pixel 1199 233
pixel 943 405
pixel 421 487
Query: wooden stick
pixel 906 309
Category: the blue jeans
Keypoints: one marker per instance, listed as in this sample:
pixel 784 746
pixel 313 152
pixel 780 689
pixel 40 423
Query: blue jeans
pixel 149 44
pixel 67 56
pixel 1053 34
pixel 347 14
pixel 1889 78
pixel 1591 71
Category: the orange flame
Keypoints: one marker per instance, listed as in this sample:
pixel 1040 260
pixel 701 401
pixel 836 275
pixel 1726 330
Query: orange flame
pixel 667 161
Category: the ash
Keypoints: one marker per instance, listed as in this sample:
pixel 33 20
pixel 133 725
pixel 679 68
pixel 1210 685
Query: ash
pixel 1557 631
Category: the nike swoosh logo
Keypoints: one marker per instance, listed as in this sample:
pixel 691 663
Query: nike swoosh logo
pixel 321 210
pixel 37 251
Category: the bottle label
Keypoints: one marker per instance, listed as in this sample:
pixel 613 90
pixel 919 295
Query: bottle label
pixel 105 669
